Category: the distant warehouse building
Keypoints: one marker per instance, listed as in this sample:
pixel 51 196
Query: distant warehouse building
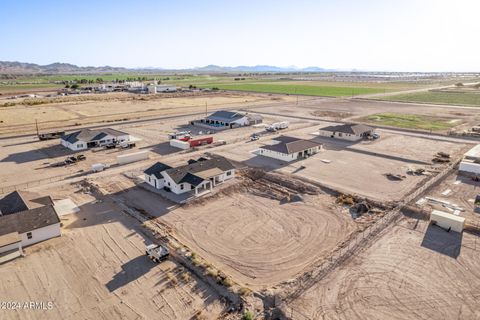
pixel 352 132
pixel 91 138
pixel 289 149
pixel 156 88
pixel 221 120
pixel 471 161
pixel 25 219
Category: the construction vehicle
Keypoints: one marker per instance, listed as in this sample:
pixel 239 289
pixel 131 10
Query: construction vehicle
pixel 254 137
pixel 69 160
pixel 50 135
pixel 157 253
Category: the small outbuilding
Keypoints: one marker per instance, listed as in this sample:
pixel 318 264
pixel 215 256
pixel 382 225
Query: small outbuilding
pixel 447 221
pixel 471 161
pixel 289 149
pixel 352 132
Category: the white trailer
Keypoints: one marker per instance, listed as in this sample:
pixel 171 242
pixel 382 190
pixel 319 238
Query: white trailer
pixel 180 144
pixel 447 221
pixel 277 126
pixel 132 157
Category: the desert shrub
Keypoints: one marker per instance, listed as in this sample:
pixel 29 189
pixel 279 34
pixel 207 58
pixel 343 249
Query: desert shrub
pixel 248 315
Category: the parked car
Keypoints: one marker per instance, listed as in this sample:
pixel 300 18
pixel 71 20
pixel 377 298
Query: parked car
pixel 157 252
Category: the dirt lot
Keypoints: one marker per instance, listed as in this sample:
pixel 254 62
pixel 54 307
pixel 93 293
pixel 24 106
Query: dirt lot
pixel 105 109
pixel 25 159
pixel 411 272
pixel 257 240
pixel 98 270
pixel 353 164
pixel 355 109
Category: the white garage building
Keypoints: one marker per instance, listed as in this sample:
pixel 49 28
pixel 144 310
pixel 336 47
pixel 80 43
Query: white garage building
pixel 25 220
pixel 289 149
pixel 352 132
pixel 198 175
pixel 91 138
pixel 471 161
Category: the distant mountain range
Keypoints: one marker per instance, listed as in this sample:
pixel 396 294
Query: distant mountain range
pixel 14 67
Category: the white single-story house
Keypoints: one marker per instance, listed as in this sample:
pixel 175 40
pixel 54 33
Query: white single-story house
pixel 198 175
pixel 91 138
pixel 289 149
pixel 228 119
pixel 471 161
pixel 352 132
pixel 25 220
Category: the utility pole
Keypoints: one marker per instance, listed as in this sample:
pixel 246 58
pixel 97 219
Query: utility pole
pixel 296 95
pixel 36 125
pixel 206 108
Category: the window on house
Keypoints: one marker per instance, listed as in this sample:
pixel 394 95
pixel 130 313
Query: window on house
pixel 229 173
pixel 29 235
pixel 181 186
pixel 169 184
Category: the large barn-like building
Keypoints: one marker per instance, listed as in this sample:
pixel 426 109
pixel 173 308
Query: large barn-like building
pixel 220 120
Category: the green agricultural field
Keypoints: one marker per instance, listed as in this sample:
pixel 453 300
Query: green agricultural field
pixel 332 91
pixel 28 87
pixel 455 98
pixel 410 121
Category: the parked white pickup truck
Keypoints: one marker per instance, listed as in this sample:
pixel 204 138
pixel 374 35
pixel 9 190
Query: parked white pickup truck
pixel 157 252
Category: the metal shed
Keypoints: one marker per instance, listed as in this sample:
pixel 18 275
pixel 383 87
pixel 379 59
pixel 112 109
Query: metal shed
pixel 447 221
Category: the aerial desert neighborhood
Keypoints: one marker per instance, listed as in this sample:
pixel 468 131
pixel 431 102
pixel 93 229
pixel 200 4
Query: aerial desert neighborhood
pixel 240 160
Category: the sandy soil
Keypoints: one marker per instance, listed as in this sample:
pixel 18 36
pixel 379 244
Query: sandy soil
pixel 257 240
pixel 123 107
pixel 411 272
pixel 351 110
pixel 357 168
pixel 98 270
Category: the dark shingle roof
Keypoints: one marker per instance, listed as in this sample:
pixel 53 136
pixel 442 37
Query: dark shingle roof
pixel 225 116
pixel 28 220
pixel 91 134
pixel 17 201
pixel 156 169
pixel 356 129
pixel 185 173
pixel 289 145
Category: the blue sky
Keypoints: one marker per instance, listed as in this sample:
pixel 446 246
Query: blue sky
pixel 408 35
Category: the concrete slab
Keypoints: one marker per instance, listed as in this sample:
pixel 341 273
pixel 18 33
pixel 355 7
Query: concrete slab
pixel 65 206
